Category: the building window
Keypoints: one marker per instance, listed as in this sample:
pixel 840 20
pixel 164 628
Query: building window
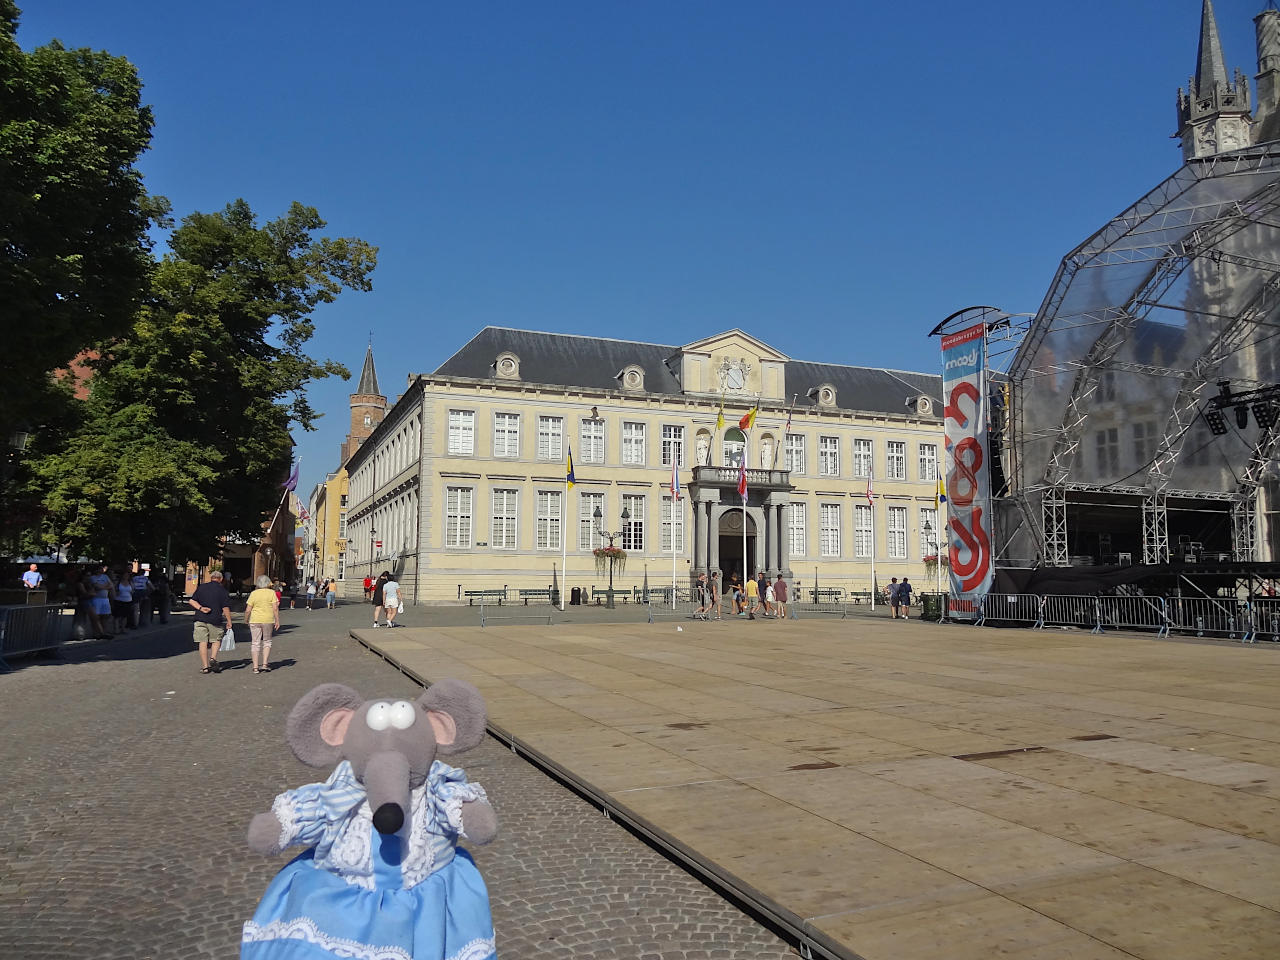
pixel 862 459
pixel 591 442
pixel 863 535
pixel 633 529
pixel 1145 443
pixel 503 535
pixel 342 500
pixel 548 520
pixel 896 460
pixel 672 445
pixel 930 535
pixel 733 447
pixel 898 533
pixel 929 461
pixel 795 453
pixel 342 566
pixel 506 435
pixel 797 528
pixel 342 526
pixel 588 538
pixel 457 517
pixel 551 438
pixel 829 534
pixel 462 433
pixel 672 523
pixel 829 456
pixel 1108 445
pixel 633 443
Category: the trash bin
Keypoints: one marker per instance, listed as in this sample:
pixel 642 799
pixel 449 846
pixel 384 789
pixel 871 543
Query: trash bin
pixel 575 596
pixel 930 606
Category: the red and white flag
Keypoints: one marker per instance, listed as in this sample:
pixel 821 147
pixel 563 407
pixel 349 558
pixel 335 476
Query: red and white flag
pixel 871 497
pixel 742 477
pixel 675 479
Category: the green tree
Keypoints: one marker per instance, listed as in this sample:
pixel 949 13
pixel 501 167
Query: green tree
pixel 186 428
pixel 74 215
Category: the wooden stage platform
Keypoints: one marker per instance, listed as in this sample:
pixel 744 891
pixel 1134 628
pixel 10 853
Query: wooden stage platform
pixel 908 791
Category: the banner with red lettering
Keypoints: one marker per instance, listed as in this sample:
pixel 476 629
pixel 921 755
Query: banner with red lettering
pixel 964 388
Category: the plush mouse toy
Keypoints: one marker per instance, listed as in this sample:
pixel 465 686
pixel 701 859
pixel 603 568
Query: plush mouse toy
pixel 383 877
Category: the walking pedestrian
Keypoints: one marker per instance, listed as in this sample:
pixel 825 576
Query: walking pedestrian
pixel 703 599
pixel 262 613
pixel 377 597
pixel 904 598
pixel 717 597
pixel 212 605
pixel 368 589
pixel 391 598
pixel 752 601
pixel 891 592
pixel 122 601
pixel 311 594
pixel 100 585
pixel 331 594
pixel 766 594
pixel 780 597
pixel 141 598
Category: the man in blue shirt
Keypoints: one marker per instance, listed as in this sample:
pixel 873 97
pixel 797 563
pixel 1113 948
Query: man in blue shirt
pixel 212 605
pixel 32 578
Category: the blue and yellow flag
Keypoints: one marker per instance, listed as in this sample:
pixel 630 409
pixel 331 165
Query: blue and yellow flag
pixel 942 490
pixel 569 478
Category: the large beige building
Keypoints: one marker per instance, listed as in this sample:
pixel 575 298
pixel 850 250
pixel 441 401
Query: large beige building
pixel 462 486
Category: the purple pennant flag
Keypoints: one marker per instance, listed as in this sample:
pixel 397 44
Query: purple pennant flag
pixel 292 482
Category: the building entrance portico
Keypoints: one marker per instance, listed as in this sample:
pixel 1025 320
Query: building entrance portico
pixel 720 518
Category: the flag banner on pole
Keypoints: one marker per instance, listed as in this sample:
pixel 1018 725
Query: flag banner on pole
pixel 968 475
pixel 675 479
pixel 292 482
pixel 942 489
pixel 742 477
pixel 871 495
pixel 749 418
pixel 569 478
pixel 720 415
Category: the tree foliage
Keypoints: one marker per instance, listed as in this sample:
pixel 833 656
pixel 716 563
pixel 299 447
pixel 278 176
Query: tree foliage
pixel 74 215
pixel 185 431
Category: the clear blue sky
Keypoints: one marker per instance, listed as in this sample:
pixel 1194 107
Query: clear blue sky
pixel 832 176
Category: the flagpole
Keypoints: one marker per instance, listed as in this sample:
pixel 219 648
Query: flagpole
pixel 871 500
pixel 564 545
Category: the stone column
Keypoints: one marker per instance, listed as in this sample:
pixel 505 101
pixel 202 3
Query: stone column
pixel 784 541
pixel 770 535
pixel 760 543
pixel 696 555
pixel 713 537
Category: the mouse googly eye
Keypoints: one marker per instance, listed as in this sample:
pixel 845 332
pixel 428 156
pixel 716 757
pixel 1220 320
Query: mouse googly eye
pixel 379 716
pixel 402 715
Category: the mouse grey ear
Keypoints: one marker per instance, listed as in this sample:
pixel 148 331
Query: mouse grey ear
pixel 317 724
pixel 464 714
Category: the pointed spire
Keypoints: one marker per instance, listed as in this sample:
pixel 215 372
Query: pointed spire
pixel 1211 66
pixel 368 386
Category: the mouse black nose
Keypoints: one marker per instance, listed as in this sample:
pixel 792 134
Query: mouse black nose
pixel 388 818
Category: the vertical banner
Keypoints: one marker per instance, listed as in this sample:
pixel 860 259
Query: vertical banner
pixel 964 387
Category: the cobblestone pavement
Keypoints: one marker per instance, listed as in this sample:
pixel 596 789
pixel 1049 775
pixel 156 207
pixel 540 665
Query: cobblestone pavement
pixel 130 779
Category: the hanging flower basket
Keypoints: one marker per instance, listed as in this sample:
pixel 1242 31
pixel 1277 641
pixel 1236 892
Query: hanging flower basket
pixel 605 555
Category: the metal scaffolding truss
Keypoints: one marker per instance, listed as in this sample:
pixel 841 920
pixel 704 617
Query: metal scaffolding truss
pixel 1180 289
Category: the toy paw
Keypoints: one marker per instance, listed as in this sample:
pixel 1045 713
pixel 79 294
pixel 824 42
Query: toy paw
pixel 479 822
pixel 264 834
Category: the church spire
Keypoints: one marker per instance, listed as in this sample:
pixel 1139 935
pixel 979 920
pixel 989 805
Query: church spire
pixel 1213 113
pixel 1211 66
pixel 368 386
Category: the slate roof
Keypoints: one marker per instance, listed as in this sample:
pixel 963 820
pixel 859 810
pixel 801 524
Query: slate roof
pixel 368 385
pixel 595 362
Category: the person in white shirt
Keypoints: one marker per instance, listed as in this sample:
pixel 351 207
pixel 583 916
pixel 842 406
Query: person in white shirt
pixel 391 599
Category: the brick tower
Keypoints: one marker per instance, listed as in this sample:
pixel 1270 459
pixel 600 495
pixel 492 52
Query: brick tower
pixel 368 407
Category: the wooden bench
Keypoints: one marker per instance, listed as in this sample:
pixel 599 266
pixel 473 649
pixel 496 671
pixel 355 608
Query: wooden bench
pixel 827 593
pixel 551 596
pixel 483 595
pixel 602 593
pixel 863 597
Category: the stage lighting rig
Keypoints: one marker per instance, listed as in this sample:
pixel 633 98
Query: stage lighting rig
pixel 1265 402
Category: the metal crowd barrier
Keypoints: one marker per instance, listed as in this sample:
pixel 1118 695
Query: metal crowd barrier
pixel 1264 620
pixel 29 629
pixel 1133 613
pixel 1209 616
pixel 1011 608
pixel 1062 610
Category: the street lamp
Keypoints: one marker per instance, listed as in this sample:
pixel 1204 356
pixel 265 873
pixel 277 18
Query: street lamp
pixel 372 533
pixel 597 516
pixel 937 561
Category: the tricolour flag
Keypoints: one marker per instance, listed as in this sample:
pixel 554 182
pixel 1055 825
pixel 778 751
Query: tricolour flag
pixel 569 478
pixel 749 418
pixel 675 479
pixel 871 497
pixel 742 477
pixel 942 489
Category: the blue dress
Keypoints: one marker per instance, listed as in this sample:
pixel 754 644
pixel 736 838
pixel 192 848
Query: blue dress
pixel 359 895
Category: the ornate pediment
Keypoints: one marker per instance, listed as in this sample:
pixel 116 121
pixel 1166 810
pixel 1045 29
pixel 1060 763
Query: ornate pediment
pixel 733 363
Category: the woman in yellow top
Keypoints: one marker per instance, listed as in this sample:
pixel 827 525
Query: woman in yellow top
pixel 262 613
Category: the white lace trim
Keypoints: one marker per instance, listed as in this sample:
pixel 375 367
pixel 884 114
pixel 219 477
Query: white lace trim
pixel 304 928
pixel 350 856
pixel 285 813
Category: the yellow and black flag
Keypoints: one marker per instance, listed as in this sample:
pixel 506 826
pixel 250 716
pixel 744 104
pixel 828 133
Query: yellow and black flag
pixel 569 478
